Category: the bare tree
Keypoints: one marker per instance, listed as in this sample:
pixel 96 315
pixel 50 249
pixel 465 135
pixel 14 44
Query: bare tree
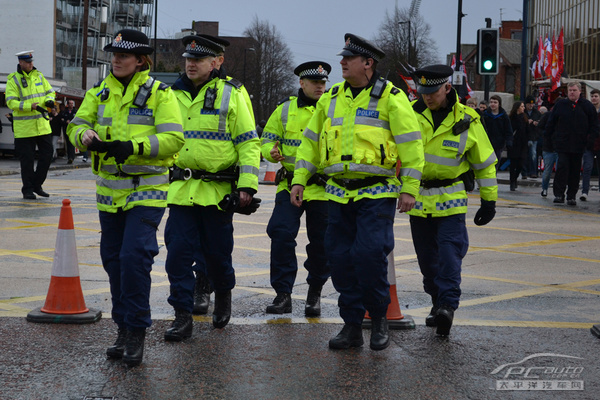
pixel 393 38
pixel 271 69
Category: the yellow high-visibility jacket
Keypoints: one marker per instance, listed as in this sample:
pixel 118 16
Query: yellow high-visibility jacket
pixel 22 90
pixel 156 133
pixel 450 153
pixel 286 125
pixel 360 137
pixel 215 140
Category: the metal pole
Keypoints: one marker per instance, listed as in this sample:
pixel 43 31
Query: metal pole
pixel 155 29
pixel 486 84
pixel 458 33
pixel 524 44
pixel 84 48
pixel 409 42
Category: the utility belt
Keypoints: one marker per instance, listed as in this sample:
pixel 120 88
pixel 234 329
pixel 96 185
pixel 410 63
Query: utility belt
pixel 354 184
pixel 438 183
pixel 284 174
pixel 230 174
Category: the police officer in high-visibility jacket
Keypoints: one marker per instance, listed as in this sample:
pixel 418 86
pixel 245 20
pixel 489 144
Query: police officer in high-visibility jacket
pixel 361 129
pixel 203 289
pixel 455 143
pixel 132 126
pixel 207 184
pixel 280 141
pixel 28 94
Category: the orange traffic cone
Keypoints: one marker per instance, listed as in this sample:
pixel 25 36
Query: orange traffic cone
pixel 270 173
pixel 395 318
pixel 64 301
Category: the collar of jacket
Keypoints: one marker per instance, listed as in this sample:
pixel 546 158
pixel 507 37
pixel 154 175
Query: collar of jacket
pixel 488 113
pixel 304 100
pixel 186 84
pixel 371 82
pixel 20 70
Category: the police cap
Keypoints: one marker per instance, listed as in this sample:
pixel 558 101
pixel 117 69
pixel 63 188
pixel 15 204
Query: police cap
pixel 314 70
pixel 432 77
pixel 223 44
pixel 199 47
pixel 358 46
pixel 129 41
pixel 25 55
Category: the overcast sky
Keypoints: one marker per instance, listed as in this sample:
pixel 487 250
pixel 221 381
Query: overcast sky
pixel 315 30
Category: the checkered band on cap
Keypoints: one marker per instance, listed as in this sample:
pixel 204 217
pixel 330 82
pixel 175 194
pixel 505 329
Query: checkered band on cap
pixel 432 81
pixel 359 49
pixel 314 72
pixel 119 43
pixel 193 47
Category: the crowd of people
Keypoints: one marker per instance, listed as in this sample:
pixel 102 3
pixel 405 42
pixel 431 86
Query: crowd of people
pixel 351 157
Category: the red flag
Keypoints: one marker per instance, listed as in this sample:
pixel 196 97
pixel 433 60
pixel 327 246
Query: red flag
pixel 412 88
pixel 561 53
pixel 540 64
pixel 555 75
pixel 548 56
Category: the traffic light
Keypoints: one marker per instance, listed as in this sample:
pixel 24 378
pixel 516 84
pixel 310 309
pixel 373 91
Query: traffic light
pixel 487 51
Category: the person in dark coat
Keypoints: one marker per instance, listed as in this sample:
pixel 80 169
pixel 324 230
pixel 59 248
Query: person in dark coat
pixel 573 126
pixel 497 126
pixel 517 151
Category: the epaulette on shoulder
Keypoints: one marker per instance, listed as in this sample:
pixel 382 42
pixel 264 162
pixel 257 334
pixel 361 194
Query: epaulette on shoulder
pixel 97 84
pixel 284 100
pixel 162 86
pixel 335 90
pixel 395 90
pixel 235 83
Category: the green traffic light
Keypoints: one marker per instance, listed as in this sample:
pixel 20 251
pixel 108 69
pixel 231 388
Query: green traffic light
pixel 488 65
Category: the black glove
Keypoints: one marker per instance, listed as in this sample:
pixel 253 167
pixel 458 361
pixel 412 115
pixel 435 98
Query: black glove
pixel 485 213
pixel 42 111
pixel 49 103
pixel 98 145
pixel 250 208
pixel 119 150
pixel 230 202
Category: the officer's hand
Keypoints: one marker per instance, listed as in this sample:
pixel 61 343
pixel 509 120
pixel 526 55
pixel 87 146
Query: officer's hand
pixel 275 154
pixel 98 145
pixel 250 208
pixel 296 195
pixel 88 136
pixel 485 213
pixel 119 150
pixel 245 199
pixel 34 106
pixel 406 202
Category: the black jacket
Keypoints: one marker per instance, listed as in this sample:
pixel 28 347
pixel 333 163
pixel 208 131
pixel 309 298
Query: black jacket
pixel 521 135
pixel 572 126
pixel 498 128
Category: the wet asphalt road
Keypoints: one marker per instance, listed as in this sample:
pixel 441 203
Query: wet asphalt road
pixel 531 287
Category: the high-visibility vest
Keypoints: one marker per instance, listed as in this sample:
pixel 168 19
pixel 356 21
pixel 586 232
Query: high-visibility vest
pixel 154 128
pixel 216 138
pixel 363 136
pixel 22 90
pixel 460 143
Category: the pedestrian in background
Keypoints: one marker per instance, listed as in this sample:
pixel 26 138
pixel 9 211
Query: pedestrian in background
pixel 530 168
pixel 497 125
pixel 572 127
pixel 67 116
pixel 455 143
pixel 28 93
pixel 282 136
pixel 548 154
pixel 361 129
pixel 132 125
pixel 517 152
pixel 56 126
pixel 590 154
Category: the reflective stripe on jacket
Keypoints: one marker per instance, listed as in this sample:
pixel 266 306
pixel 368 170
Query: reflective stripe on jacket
pixel 286 126
pixel 448 155
pixel 356 138
pixel 215 139
pixel 22 90
pixel 156 133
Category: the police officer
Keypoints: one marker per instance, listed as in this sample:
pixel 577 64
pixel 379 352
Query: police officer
pixel 28 94
pixel 361 128
pixel 281 137
pixel 132 126
pixel 207 187
pixel 455 142
pixel 203 289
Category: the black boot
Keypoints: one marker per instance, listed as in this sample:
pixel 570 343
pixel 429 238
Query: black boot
pixel 117 349
pixel 513 186
pixel 313 301
pixel 281 305
pixel 222 311
pixel 202 291
pixel 380 334
pixel 181 328
pixel 134 347
pixel 443 320
pixel 349 336
pixel 430 319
